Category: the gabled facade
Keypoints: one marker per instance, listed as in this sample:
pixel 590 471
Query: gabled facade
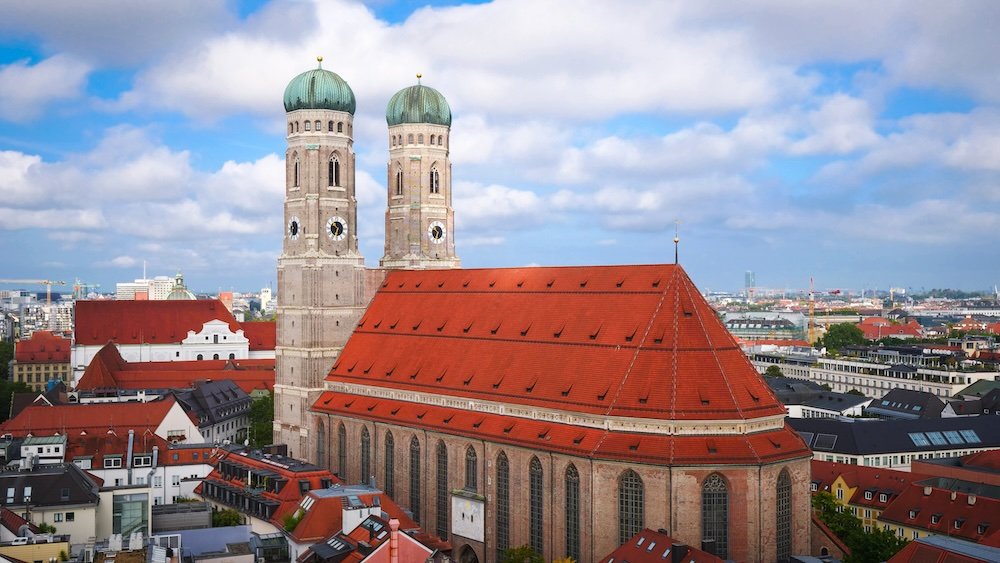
pixel 40 359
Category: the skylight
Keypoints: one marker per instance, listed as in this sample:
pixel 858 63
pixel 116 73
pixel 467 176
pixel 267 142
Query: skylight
pixel 919 439
pixel 970 436
pixel 825 441
pixel 953 437
pixel 936 438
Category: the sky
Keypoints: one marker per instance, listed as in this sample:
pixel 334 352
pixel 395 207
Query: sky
pixel 853 142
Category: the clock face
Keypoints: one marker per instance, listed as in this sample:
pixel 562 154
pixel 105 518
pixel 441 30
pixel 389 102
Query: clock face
pixel 437 232
pixel 336 228
pixel 293 228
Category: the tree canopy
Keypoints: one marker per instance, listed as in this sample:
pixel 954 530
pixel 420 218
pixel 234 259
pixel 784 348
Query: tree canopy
pixel 842 334
pixel 876 545
pixel 261 421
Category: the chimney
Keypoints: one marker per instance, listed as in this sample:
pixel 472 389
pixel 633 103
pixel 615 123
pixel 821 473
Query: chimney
pixel 972 500
pixel 394 541
pixel 677 552
pixel 927 490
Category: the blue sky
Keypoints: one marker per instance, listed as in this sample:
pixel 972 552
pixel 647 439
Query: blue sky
pixel 854 144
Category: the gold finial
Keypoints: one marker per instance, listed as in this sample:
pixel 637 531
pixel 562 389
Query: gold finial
pixel 319 59
pixel 419 76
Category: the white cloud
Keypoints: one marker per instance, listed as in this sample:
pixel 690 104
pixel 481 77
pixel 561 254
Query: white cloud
pixel 26 89
pixel 495 207
pixel 118 262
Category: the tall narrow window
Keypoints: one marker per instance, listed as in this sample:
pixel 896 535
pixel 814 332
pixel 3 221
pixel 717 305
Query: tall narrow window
pixel 340 127
pixel 329 126
pixel 333 171
pixel 535 492
pixel 366 456
pixel 715 516
pixel 321 445
pixel 342 452
pixel 783 527
pixel 573 512
pixel 295 181
pixel 415 478
pixel 503 505
pixel 399 182
pixel 318 126
pixel 630 505
pixel 409 139
pixel 471 470
pixel 420 139
pixel 442 491
pixel 390 465
pixel 307 127
pixel 440 139
pixel 432 139
pixel 435 181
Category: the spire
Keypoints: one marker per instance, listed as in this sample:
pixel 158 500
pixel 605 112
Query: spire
pixel 419 76
pixel 319 61
pixel 677 239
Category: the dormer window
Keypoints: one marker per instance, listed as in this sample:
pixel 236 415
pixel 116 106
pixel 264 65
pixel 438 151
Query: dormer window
pixel 957 524
pixel 882 497
pixel 935 518
pixel 813 487
pixel 913 513
pixel 981 529
pixel 868 495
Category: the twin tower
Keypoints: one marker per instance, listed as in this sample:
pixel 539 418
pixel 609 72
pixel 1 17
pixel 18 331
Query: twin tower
pixel 323 284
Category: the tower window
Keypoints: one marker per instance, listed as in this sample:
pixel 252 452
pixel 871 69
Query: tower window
pixel 340 127
pixel 390 465
pixel 366 461
pixel 342 451
pixel 420 139
pixel 307 127
pixel 295 180
pixel 432 139
pixel 535 490
pixel 409 139
pixel 291 128
pixel 442 490
pixel 415 478
pixel 630 505
pixel 329 126
pixel 440 140
pixel 296 126
pixel 715 515
pixel 318 126
pixel 573 512
pixel 333 172
pixel 784 516
pixel 399 182
pixel 503 505
pixel 435 181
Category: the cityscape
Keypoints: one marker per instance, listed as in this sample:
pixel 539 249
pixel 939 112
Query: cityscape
pixel 510 282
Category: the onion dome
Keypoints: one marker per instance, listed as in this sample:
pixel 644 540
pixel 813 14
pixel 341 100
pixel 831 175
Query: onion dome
pixel 319 89
pixel 418 104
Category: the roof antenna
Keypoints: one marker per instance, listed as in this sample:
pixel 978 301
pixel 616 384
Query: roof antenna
pixel 419 76
pixel 677 239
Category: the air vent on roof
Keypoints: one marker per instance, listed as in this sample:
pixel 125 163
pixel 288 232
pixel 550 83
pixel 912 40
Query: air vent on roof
pixel 417 324
pixel 544 434
pixel 496 384
pixel 531 385
pixel 775 443
pixel 401 284
pixel 631 334
pixel 704 398
pixel 390 369
pixel 508 428
pixel 369 368
pixel 753 395
pixel 441 283
pixel 634 446
pixel 596 331
pixel 468 326
pixel 601 396
pixel 448 419
pixel 583 283
pixel 468 380
pixel 493 283
pixel 395 411
pixel 465 283
pixel 420 416
pixel 442 325
pixel 348 404
pixel 478 423
pixel 377 324
pixel 354 365
pixel 372 406
pixel 579 438
pixel 557 332
pixel 656 283
pixel 565 392
pixel 825 442
pixel 441 375
pixel 520 283
pixel 496 327
pixel 658 339
pixel 336 365
pixel 550 283
pixel 416 372
pixel 418 283
pixel 620 282
pixel 524 331
pixel 394 323
pixel 710 444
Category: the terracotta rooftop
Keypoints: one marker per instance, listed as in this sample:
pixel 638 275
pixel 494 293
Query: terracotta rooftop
pixel 42 348
pixel 635 341
pixel 148 322
pixel 108 370
pixel 94 418
pixel 656 547
pixel 944 512
pixel 261 334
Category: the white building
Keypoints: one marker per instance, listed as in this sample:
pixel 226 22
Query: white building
pixel 156 289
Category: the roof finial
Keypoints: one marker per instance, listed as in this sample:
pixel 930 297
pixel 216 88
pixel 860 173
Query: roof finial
pixel 319 59
pixel 677 239
pixel 419 76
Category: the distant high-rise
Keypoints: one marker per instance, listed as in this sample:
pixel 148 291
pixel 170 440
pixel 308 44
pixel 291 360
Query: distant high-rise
pixel 749 284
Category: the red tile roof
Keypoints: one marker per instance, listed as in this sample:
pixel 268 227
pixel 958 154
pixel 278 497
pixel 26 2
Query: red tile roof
pixel 876 480
pixel 13 522
pixel 576 440
pixel 93 418
pixel 875 328
pixel 326 516
pixel 42 348
pixel 652 547
pixel 920 552
pixel 635 341
pixel 958 514
pixel 987 459
pixel 149 322
pixel 263 335
pixel 108 370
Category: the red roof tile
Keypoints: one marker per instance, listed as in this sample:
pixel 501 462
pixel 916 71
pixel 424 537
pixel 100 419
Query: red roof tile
pixel 93 418
pixel 42 348
pixel 149 322
pixel 108 370
pixel 877 480
pixel 261 334
pixel 987 459
pixel 635 341
pixel 654 547
pixel 326 516
pixel 924 553
pixel 958 514
pixel 875 328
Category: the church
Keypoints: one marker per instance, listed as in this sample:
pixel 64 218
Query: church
pixel 564 408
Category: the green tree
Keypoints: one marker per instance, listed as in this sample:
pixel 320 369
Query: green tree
pixel 877 545
pixel 523 554
pixel 842 334
pixel 7 389
pixel 261 419
pixel 773 371
pixel 228 517
pixel 6 355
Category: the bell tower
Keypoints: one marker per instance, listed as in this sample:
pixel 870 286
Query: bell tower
pixel 320 270
pixel 419 218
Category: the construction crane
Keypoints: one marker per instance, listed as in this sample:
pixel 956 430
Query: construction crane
pixel 81 289
pixel 47 283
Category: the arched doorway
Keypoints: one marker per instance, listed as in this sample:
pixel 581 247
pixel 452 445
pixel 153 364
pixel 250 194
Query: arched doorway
pixel 468 555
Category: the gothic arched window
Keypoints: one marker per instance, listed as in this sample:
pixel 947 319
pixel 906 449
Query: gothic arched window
pixel 435 181
pixel 420 139
pixel 366 456
pixel 333 172
pixel 329 126
pixel 432 139
pixel 291 128
pixel 535 505
pixel 340 127
pixel 440 139
pixel 390 465
pixel 631 505
pixel 573 512
pixel 399 182
pixel 295 179
pixel 715 515
pixel 342 452
pixel 409 139
pixel 503 505
pixel 321 444
pixel 471 470
pixel 783 517
pixel 415 478
pixel 442 490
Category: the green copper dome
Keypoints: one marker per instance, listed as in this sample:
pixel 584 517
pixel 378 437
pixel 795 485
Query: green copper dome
pixel 418 104
pixel 319 89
